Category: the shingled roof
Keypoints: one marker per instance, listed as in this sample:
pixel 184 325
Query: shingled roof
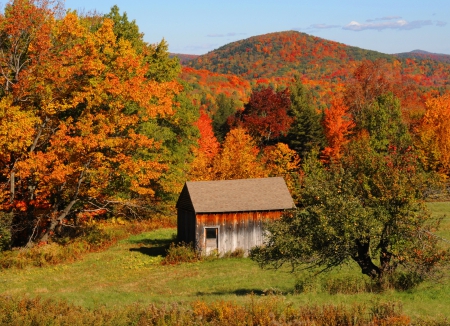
pixel 242 195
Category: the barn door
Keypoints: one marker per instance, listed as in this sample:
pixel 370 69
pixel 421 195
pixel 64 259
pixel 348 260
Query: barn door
pixel 211 240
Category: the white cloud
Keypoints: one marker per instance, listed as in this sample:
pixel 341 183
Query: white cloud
pixel 441 23
pixel 400 24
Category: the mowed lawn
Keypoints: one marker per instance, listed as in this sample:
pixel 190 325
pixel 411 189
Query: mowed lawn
pixel 130 272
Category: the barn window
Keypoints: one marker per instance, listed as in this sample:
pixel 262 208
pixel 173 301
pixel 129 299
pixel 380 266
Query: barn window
pixel 211 240
pixel 211 233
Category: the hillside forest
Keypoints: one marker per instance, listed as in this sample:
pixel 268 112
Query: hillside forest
pixel 95 123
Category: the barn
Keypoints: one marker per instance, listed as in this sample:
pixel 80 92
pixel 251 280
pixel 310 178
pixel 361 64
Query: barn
pixel 226 215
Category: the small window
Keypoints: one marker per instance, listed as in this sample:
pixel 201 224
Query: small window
pixel 211 233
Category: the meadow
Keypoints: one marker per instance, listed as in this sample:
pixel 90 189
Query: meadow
pixel 130 273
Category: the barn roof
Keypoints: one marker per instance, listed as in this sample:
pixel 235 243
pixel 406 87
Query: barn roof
pixel 242 195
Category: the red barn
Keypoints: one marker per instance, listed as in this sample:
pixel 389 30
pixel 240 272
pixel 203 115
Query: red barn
pixel 227 215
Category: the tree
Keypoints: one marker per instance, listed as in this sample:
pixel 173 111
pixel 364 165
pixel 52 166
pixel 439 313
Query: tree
pixel 337 126
pixel 126 30
pixel 306 131
pixel 433 135
pixel 265 115
pixel 79 97
pixel 370 80
pixel 378 216
pixel 207 150
pixel 238 158
pixel 226 107
pixel 281 161
pixel 367 206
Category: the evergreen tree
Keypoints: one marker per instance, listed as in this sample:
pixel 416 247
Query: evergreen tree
pixel 226 107
pixel 306 131
pixel 124 29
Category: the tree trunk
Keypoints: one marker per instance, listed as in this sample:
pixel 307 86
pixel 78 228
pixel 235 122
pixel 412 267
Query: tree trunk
pixel 363 259
pixel 56 221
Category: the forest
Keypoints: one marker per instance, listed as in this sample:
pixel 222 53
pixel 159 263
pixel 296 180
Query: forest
pixel 100 128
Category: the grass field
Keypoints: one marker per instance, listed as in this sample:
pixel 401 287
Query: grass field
pixel 130 272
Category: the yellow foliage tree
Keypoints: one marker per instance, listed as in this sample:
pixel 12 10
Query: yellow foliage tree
pixel 238 158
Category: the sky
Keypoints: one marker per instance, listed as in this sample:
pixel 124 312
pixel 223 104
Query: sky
pixel 200 26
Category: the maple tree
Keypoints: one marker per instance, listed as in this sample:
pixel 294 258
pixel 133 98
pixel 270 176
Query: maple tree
pixel 238 158
pixel 337 125
pixel 78 96
pixel 433 135
pixel 265 115
pixel 281 161
pixel 208 148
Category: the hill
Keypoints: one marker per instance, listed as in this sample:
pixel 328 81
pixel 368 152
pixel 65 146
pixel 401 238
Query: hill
pixel 276 57
pixel 424 55
pixel 284 53
pixel 184 58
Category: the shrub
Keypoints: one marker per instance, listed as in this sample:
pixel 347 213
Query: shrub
pixel 180 253
pixel 270 310
pixel 237 253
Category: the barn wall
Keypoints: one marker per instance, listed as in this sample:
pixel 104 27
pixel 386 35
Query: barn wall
pixel 186 226
pixel 235 230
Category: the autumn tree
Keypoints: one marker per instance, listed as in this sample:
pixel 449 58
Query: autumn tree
pixel 281 161
pixel 78 96
pixel 238 158
pixel 265 115
pixel 337 126
pixel 206 151
pixel 370 80
pixel 433 135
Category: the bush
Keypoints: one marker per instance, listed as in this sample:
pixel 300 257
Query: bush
pixel 403 281
pixel 270 310
pixel 238 253
pixel 180 253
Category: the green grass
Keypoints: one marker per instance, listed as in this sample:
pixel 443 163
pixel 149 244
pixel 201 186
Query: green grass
pixel 130 272
pixel 442 210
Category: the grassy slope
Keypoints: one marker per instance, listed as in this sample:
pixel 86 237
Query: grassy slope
pixel 130 273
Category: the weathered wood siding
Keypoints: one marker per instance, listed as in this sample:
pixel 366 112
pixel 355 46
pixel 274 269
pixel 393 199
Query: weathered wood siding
pixel 236 230
pixel 186 226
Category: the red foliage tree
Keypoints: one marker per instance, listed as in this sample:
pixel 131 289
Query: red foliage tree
pixel 265 115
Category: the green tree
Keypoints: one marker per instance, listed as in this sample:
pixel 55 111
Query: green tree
pixel 367 207
pixel 377 220
pixel 124 29
pixel 306 131
pixel 162 67
pixel 226 107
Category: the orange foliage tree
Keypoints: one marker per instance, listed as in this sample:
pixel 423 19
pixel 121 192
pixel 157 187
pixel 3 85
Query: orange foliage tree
pixel 72 99
pixel 208 148
pixel 433 135
pixel 337 126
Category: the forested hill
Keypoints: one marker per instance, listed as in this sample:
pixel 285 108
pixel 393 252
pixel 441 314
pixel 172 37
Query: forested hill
pixel 424 55
pixel 282 54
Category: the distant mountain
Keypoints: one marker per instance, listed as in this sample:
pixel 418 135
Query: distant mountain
pixel 424 55
pixel 184 57
pixel 283 54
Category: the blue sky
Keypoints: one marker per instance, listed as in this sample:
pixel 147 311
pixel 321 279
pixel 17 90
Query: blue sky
pixel 200 26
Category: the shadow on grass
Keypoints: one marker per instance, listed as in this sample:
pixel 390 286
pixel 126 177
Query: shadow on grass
pixel 154 247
